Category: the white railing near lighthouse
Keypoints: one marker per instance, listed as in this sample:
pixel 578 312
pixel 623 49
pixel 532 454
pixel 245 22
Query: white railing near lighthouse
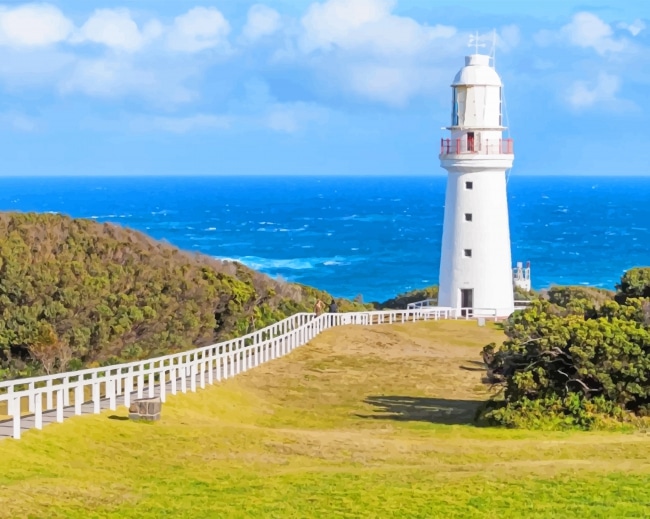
pixel 33 402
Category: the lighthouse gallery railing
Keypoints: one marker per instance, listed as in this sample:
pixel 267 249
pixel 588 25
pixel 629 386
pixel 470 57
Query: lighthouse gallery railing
pixel 478 147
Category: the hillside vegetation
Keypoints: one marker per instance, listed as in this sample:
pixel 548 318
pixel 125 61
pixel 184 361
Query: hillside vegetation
pixel 76 293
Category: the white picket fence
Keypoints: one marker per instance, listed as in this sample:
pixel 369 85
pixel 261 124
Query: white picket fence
pixel 52 398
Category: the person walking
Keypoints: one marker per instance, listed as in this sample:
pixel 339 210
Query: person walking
pixel 319 307
pixel 333 307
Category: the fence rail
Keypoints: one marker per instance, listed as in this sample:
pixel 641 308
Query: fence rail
pixel 35 402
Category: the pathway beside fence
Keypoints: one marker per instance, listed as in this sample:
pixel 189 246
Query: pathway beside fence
pixel 35 402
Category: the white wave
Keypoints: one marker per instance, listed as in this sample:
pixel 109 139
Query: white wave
pixel 270 264
pixel 335 263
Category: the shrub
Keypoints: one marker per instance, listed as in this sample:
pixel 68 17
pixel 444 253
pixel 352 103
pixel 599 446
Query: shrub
pixel 578 359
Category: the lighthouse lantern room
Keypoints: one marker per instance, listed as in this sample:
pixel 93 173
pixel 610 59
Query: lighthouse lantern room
pixel 475 265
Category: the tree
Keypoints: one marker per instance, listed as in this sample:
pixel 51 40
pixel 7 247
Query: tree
pixel 45 348
pixel 634 283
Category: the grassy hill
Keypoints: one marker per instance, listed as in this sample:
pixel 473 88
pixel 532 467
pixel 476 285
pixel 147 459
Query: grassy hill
pixel 363 422
pixel 77 293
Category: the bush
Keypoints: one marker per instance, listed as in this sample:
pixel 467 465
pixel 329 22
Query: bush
pixel 578 359
pixel 634 283
pixel 403 300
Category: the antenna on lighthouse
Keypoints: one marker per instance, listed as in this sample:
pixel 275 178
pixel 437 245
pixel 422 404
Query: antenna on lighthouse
pixel 475 40
pixel 494 48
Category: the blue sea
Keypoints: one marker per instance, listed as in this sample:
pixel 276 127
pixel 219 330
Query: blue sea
pixel 374 236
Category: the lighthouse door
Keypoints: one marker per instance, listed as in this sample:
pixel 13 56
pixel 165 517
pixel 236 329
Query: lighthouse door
pixel 466 301
pixel 470 141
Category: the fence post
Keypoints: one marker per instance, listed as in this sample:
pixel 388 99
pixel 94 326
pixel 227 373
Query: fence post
pixel 183 374
pixel 163 385
pixel 10 400
pixel 193 376
pixel 128 388
pixel 140 382
pixel 16 418
pixel 111 389
pixel 59 406
pixel 96 394
pixel 30 398
pixel 38 412
pixel 78 395
pixel 66 395
pixel 211 367
pixel 152 382
pixel 172 378
pixel 48 395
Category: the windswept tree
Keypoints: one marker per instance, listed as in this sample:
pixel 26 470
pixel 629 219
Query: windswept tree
pixel 574 361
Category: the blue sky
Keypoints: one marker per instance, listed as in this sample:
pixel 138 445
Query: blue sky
pixel 326 87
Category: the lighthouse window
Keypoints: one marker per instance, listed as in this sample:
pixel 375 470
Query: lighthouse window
pixel 469 185
pixel 467 253
pixel 468 217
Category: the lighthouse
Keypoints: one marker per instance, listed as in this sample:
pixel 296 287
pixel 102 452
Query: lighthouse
pixel 475 265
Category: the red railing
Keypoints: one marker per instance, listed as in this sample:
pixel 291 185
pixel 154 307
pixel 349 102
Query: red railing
pixel 475 147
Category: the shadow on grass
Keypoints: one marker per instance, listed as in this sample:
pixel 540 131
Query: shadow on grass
pixel 116 417
pixel 421 409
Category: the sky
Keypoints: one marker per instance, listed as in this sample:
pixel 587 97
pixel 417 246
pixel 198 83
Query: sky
pixel 300 87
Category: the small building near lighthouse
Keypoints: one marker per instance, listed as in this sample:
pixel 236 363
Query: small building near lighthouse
pixel 476 274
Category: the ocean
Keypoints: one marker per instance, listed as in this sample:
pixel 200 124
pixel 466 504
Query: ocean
pixel 369 236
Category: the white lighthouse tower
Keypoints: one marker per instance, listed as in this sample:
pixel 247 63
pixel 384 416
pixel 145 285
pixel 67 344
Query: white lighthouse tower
pixel 475 266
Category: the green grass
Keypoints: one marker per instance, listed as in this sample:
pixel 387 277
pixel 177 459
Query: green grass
pixel 363 422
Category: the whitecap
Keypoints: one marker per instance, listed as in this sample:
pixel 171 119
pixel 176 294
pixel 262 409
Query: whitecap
pixel 257 263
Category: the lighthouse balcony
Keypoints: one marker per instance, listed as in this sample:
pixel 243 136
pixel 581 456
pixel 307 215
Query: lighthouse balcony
pixel 478 147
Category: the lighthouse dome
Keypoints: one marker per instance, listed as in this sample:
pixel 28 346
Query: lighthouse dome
pixel 477 71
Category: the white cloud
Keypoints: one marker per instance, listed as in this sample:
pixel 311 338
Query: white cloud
pixel 33 25
pixel 18 121
pixel 261 21
pixel 367 26
pixel 388 84
pixel 111 77
pixel 199 29
pixel 508 38
pixel 107 78
pixel 602 93
pixel 364 49
pixel 588 31
pixel 292 117
pixel 633 28
pixel 116 29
